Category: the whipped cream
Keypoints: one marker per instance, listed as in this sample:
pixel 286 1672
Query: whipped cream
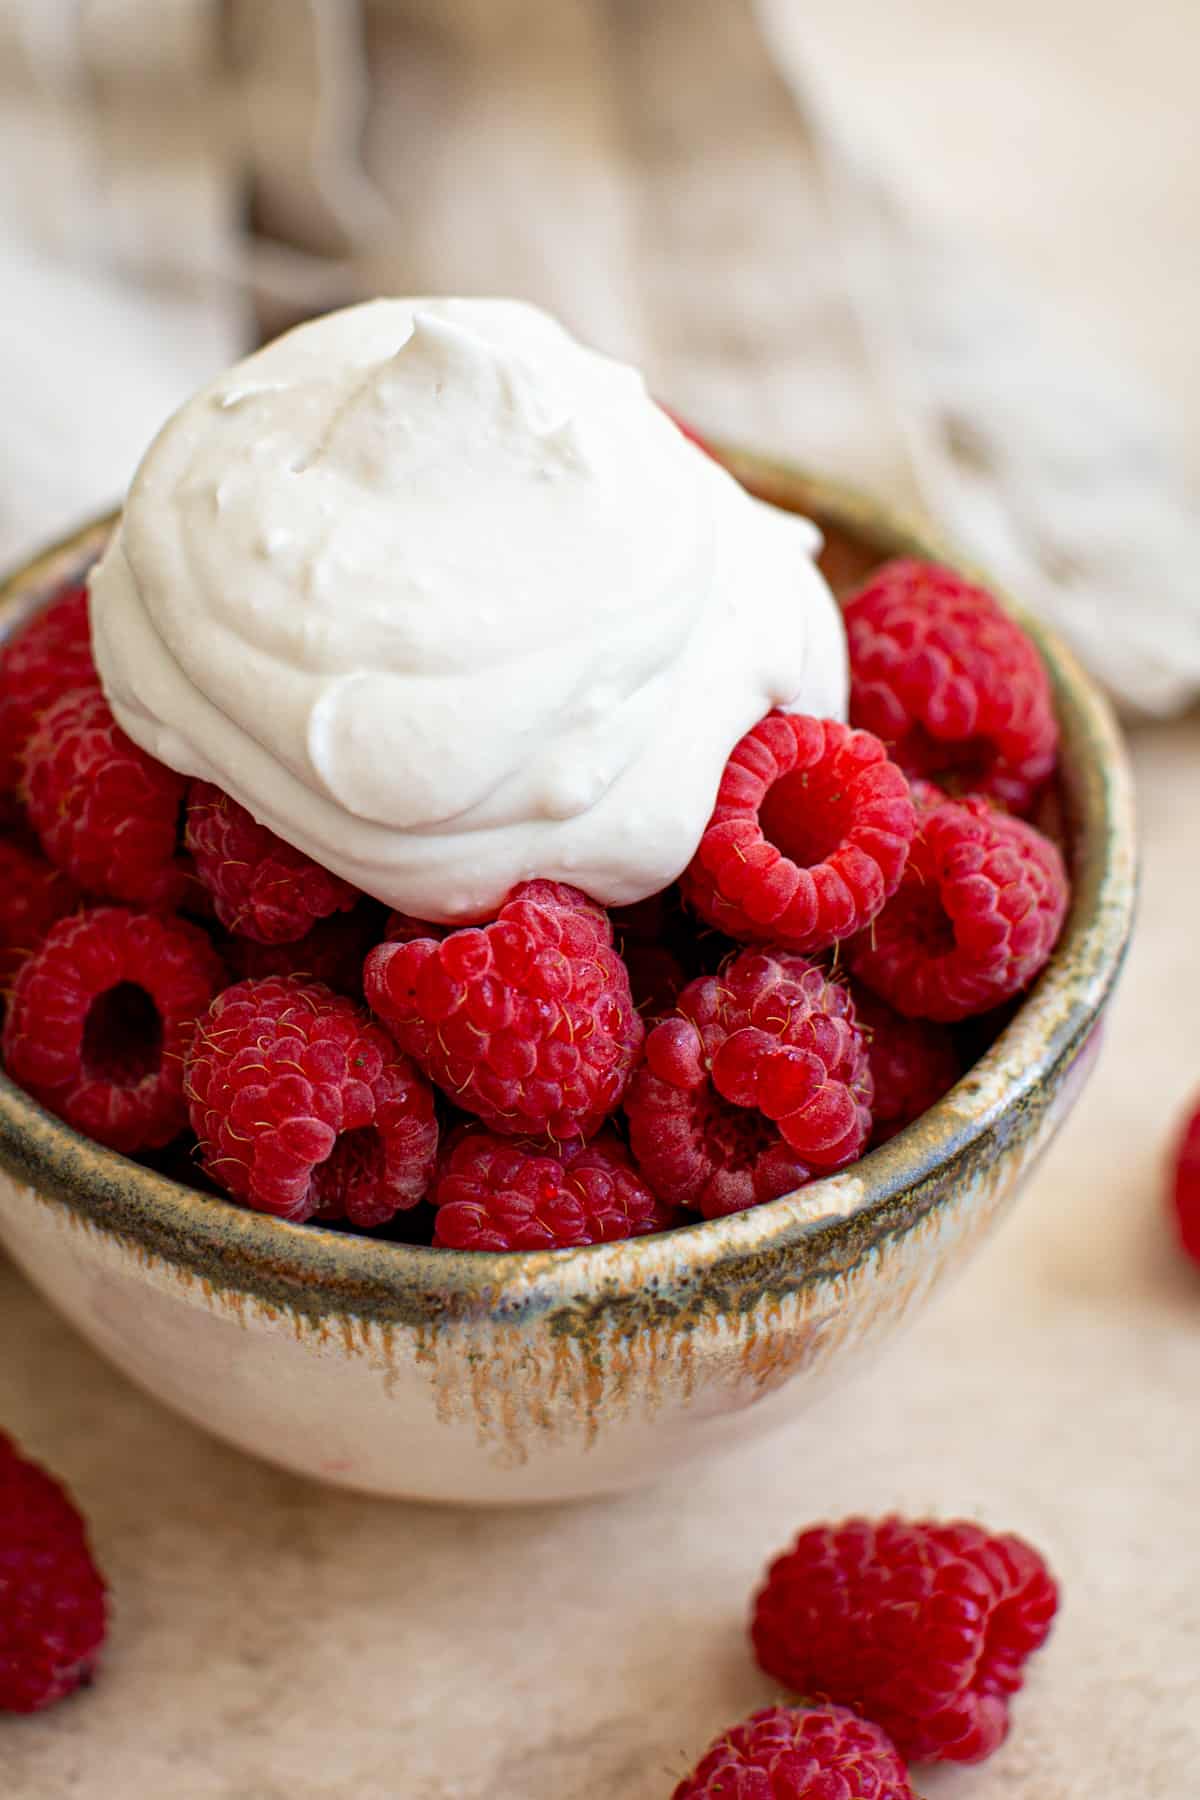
pixel 446 601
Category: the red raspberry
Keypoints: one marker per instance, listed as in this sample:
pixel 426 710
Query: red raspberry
pixel 951 684
pixel 99 1019
pixel 46 658
pixel 107 813
pixel 262 888
pixel 333 952
pixel 973 921
pixel 528 1022
pixel 913 1063
pixel 652 938
pixel 33 896
pixel 52 1610
pixel 760 1079
pixel 799 1753
pixel 808 837
pixel 304 1108
pixel 494 1194
pixel 923 1627
pixel 1186 1188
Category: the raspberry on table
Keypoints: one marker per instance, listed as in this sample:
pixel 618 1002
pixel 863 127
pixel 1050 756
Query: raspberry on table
pixel 799 1753
pixel 924 1627
pixel 493 1193
pixel 261 887
pixel 913 1063
pixel 100 1016
pixel 950 682
pixel 332 952
pixel 45 658
pixel 808 836
pixel 974 920
pixel 52 1596
pixel 304 1108
pixel 760 1080
pixel 34 895
pixel 528 1022
pixel 1185 1189
pixel 106 812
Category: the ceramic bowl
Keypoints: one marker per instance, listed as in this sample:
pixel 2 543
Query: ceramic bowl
pixel 520 1377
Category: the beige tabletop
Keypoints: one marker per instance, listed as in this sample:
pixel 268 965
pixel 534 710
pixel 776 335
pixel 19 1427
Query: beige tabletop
pixel 273 1641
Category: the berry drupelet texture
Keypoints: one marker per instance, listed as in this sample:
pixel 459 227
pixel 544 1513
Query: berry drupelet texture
pixel 261 888
pixel 923 1627
pixel 808 836
pixel 52 1596
pixel 495 1194
pixel 974 920
pixel 34 895
pixel 106 812
pixel 528 1022
pixel 304 1108
pixel 913 1063
pixel 799 1753
pixel 44 659
pixel 951 684
pixel 99 1019
pixel 759 1079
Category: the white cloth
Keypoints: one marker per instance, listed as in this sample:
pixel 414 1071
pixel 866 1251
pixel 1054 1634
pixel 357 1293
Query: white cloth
pixel 664 173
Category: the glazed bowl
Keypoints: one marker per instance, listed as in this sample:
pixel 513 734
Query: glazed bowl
pixel 479 1377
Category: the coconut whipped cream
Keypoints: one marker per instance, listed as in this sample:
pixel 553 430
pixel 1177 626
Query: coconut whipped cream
pixel 445 600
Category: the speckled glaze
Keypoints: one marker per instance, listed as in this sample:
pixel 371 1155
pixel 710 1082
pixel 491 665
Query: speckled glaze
pixel 523 1377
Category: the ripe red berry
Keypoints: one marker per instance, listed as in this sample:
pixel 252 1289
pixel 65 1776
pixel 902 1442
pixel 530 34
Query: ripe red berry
pixel 950 682
pixel 528 1022
pixel 1185 1191
pixel 100 1016
pixel 261 887
pixel 808 836
pixel 974 919
pixel 106 812
pixel 758 1080
pixel 332 952
pixel 52 1606
pixel 923 1627
pixel 799 1753
pixel 34 895
pixel 45 658
pixel 494 1194
pixel 303 1106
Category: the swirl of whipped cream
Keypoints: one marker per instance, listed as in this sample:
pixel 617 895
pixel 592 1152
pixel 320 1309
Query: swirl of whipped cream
pixel 446 601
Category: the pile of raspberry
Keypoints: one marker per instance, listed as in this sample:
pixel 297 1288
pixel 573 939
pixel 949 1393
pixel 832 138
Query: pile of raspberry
pixel 866 901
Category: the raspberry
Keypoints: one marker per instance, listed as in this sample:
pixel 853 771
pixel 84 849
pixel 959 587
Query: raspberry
pixel 913 1063
pixel 799 1753
pixel 46 658
pixel 52 1608
pixel 107 813
pixel 760 1079
pixel 304 1108
pixel 923 1627
pixel 1186 1188
pixel 99 1019
pixel 528 1022
pixel 33 896
pixel 808 836
pixel 332 953
pixel 262 888
pixel 973 921
pixel 951 684
pixel 494 1194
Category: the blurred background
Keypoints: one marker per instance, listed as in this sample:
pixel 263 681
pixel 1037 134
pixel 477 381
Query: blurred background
pixel 950 249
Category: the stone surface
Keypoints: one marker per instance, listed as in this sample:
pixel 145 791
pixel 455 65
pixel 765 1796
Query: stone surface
pixel 273 1640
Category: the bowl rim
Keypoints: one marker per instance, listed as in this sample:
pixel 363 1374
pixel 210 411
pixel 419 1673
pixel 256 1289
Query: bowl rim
pixel 826 1227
